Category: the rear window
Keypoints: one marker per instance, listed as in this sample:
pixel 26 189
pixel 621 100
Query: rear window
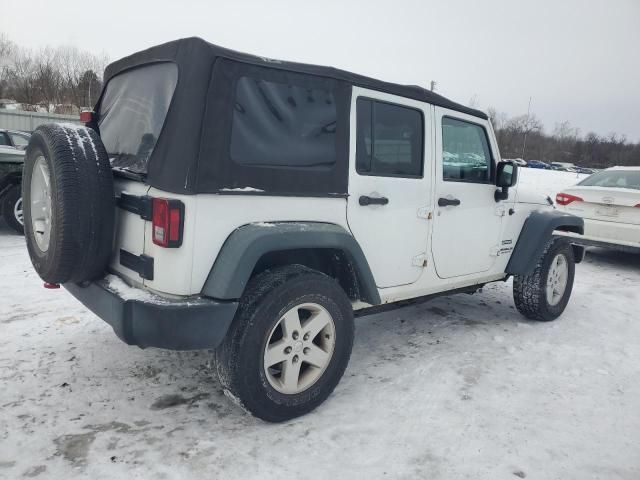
pixel 283 125
pixel 614 179
pixel 132 112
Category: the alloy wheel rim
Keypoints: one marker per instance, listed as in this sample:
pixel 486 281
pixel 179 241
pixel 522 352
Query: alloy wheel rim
pixel 17 212
pixel 299 348
pixel 557 279
pixel 41 203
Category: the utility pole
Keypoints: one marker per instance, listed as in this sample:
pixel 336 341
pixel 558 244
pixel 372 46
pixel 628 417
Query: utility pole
pixel 433 85
pixel 526 130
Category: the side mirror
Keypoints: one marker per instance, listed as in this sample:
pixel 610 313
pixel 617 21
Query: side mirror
pixel 506 177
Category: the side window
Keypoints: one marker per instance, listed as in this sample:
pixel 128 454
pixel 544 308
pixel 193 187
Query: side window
pixel 389 139
pixel 283 125
pixel 466 156
pixel 4 139
pixel 19 140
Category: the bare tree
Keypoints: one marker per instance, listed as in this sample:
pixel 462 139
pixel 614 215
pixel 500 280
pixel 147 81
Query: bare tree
pixel 564 131
pixel 22 77
pixel 6 50
pixel 48 79
pixel 74 67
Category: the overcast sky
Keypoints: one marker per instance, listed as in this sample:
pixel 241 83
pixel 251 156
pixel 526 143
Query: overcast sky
pixel 578 59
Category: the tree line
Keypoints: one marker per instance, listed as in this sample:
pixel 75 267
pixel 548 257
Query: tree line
pixel 524 137
pixel 54 79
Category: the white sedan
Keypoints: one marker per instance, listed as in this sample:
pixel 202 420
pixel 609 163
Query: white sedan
pixel 609 202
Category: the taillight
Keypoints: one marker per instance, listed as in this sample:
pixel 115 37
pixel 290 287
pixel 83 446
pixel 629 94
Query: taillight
pixel 566 199
pixel 86 117
pixel 167 222
pixel 638 205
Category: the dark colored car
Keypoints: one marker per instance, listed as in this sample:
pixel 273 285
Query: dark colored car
pixel 538 164
pixel 12 146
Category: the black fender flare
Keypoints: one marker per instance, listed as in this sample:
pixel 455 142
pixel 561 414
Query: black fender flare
pixel 536 232
pixel 247 244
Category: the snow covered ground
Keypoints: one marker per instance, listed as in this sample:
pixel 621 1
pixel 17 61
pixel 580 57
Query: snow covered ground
pixel 459 387
pixel 548 182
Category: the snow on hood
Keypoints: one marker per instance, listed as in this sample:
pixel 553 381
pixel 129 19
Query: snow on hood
pixel 527 194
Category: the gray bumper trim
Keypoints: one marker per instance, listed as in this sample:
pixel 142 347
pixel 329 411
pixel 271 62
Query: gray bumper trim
pixel 175 325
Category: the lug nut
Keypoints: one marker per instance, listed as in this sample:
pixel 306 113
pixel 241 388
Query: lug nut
pixel 295 335
pixel 306 337
pixel 306 350
pixel 287 350
pixel 295 359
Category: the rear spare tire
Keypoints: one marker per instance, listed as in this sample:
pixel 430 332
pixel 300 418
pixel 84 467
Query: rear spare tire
pixel 68 203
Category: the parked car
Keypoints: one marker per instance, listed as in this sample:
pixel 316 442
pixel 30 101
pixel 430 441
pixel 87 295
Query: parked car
pixel 538 164
pixel 609 203
pixel 12 146
pixel 565 165
pixel 585 170
pixel 259 204
pixel 518 161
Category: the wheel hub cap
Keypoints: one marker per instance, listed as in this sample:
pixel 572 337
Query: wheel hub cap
pixel 17 211
pixel 299 348
pixel 557 279
pixel 41 203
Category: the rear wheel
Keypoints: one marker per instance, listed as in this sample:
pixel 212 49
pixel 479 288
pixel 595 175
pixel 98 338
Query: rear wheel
pixel 544 294
pixel 12 209
pixel 289 344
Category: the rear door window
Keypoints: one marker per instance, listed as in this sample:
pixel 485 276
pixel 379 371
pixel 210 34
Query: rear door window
pixel 132 112
pixel 389 139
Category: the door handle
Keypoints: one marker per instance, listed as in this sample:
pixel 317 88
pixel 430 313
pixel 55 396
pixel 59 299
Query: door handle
pixel 365 200
pixel 448 202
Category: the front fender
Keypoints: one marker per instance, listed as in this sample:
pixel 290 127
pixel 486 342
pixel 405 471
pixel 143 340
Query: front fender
pixel 536 233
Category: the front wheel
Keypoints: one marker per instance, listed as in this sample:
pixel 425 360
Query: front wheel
pixel 289 343
pixel 544 294
pixel 12 209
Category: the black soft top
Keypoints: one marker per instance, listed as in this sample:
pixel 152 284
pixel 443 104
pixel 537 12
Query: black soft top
pixel 192 151
pixel 187 50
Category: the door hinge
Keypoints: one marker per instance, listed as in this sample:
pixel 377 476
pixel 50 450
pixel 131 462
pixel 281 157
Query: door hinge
pixel 424 212
pixel 419 260
pixel 139 204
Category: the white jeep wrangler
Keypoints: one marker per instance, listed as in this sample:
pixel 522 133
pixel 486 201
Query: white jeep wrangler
pixel 218 200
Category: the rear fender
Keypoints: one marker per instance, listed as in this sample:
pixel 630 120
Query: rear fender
pixel 244 248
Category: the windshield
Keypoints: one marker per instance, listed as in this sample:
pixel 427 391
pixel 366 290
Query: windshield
pixel 614 179
pixel 132 113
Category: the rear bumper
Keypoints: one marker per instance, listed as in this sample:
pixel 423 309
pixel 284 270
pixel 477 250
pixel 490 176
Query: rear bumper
pixel 623 234
pixel 604 242
pixel 588 242
pixel 175 325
